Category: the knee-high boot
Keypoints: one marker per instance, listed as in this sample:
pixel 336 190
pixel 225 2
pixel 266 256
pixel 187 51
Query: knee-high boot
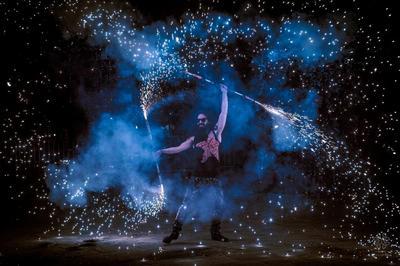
pixel 216 231
pixel 176 229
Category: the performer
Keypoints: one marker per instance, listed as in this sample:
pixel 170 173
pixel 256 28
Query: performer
pixel 205 144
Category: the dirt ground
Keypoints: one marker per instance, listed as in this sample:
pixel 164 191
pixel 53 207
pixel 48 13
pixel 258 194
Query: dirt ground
pixel 297 240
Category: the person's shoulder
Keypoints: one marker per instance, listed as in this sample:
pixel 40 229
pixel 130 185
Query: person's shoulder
pixel 213 131
pixel 214 134
pixel 215 128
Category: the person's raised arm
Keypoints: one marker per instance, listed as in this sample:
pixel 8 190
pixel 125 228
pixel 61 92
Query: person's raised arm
pixel 224 111
pixel 173 150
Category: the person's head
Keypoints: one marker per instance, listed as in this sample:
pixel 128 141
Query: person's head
pixel 202 120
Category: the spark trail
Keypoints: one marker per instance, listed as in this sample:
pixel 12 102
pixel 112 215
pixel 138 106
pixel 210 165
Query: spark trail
pixel 335 154
pixel 204 41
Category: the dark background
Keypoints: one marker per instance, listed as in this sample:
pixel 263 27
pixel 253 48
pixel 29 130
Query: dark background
pixel 37 61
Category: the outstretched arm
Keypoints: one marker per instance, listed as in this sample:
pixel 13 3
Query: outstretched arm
pixel 173 150
pixel 224 111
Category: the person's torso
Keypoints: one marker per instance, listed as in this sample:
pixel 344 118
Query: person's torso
pixel 206 156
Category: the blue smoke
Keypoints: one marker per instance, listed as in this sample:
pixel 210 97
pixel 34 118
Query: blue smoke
pixel 118 151
pixel 305 42
pixel 115 157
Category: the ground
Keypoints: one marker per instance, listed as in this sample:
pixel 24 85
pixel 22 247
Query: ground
pixel 296 240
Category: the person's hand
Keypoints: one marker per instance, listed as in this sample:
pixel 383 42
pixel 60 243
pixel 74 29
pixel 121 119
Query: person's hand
pixel 224 88
pixel 157 154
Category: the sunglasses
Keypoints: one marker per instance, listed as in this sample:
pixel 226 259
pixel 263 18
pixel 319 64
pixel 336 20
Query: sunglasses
pixel 202 119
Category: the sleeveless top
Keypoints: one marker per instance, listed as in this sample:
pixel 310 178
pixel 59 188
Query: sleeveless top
pixel 206 156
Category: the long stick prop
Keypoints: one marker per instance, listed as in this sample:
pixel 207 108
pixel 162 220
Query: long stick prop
pixel 266 107
pixel 155 160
